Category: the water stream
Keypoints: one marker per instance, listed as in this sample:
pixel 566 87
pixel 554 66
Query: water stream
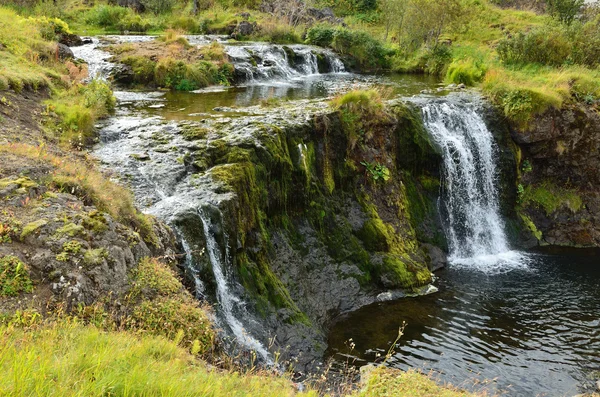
pixel 528 322
pixel 469 198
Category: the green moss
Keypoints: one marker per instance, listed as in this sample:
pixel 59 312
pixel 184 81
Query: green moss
pixel 70 229
pixel 95 221
pixel 95 257
pixel 14 277
pixel 72 247
pixel 373 234
pixel 531 227
pixel 551 197
pixel 32 227
pixel 23 182
pixel 404 272
pixel 193 132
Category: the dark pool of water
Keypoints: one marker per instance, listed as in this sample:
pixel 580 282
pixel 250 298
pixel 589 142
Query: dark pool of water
pixel 523 333
pixel 177 105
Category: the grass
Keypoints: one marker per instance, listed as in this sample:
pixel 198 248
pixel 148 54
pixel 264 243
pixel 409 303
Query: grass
pixel 78 109
pixel 394 383
pixel 70 359
pixel 27 61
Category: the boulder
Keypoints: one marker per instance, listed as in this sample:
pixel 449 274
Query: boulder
pixel 64 52
pixel 438 258
pixel 244 28
pixel 122 74
pixel 70 39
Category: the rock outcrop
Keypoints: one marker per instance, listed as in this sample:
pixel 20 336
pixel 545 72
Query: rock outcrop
pixel 560 169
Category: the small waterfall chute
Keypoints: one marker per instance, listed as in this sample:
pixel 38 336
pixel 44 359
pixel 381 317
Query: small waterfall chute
pixel 469 199
pixel 232 306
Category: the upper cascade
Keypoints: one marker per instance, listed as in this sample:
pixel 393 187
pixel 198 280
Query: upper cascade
pixel 469 200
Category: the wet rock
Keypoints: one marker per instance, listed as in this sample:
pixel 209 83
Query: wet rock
pixel 64 52
pixel 438 258
pixel 122 74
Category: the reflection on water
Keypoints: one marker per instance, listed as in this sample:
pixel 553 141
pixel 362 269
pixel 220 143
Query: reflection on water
pixel 533 332
pixel 176 105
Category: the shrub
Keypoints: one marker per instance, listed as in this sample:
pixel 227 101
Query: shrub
pixel 547 46
pixel 189 25
pixel 320 35
pixel 365 51
pixel 465 71
pixel 79 108
pixel 14 277
pixel 565 10
pixel 279 33
pixel 132 23
pixel 143 68
pixel 158 6
pixel 50 28
pixel 107 16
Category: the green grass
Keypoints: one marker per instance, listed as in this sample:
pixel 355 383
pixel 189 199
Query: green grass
pixel 70 359
pixel 384 382
pixel 27 61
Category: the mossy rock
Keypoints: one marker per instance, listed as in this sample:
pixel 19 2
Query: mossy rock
pixel 70 229
pixel 95 257
pixel 402 271
pixel 32 227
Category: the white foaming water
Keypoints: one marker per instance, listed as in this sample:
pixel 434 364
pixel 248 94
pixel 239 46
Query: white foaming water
pixel 97 60
pixel 469 200
pixel 225 297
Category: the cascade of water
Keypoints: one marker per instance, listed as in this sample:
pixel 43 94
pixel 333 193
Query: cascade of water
pixel 231 306
pixel 97 60
pixel 469 199
pixel 269 61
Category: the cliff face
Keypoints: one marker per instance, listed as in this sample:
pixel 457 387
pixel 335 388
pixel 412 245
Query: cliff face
pixel 319 217
pixel 560 169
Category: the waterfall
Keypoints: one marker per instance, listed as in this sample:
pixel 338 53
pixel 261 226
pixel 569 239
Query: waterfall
pixel 469 198
pixel 232 307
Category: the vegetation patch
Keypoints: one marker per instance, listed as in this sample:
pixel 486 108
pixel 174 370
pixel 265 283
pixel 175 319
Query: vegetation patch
pixel 85 360
pixel 551 197
pixel 14 277
pixel 76 177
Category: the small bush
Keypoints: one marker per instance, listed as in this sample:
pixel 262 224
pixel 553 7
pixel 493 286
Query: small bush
pixel 546 46
pixel 366 52
pixel 14 277
pixel 143 68
pixel 107 16
pixel 189 25
pixel 565 10
pixel 50 28
pixel 279 33
pixel 158 6
pixel 79 108
pixel 467 72
pixel 320 35
pixel 133 23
